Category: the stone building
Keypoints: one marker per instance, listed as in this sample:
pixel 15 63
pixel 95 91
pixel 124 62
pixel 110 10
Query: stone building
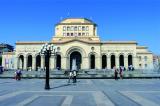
pixel 77 38
pixel 5 48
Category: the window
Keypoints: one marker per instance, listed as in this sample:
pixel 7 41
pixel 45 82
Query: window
pixel 145 58
pixel 79 28
pixel 75 34
pixel 67 34
pixel 140 58
pixel 140 65
pixel 68 28
pixel 72 28
pixel 64 28
pixel 145 65
pixel 64 34
pixel 83 34
pixel 87 28
pixel 83 28
pixel 71 34
pixel 79 34
pixel 75 28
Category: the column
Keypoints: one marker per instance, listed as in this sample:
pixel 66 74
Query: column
pixel 25 63
pixel 52 62
pixel 34 63
pixel 85 63
pixel 42 62
pixel 64 62
pixel 97 63
pixel 108 62
pixel 16 63
pixel 134 62
pixel 126 62
pixel 3 60
pixel 117 61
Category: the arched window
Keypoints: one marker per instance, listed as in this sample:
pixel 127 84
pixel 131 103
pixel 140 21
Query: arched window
pixel 29 62
pixel 104 61
pixel 38 62
pixel 130 60
pixel 21 62
pixel 58 62
pixel 92 61
pixel 121 60
pixel 113 62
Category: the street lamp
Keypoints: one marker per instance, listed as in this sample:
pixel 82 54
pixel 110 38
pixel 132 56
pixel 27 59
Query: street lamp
pixel 47 50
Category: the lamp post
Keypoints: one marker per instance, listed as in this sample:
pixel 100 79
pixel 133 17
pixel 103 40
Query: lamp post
pixel 47 50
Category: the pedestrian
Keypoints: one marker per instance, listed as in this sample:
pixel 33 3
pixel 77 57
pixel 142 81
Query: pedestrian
pixel 1 69
pixel 18 74
pixel 74 76
pixel 115 73
pixel 121 72
pixel 70 76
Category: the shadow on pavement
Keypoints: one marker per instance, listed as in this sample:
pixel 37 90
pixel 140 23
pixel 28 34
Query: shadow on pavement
pixel 60 86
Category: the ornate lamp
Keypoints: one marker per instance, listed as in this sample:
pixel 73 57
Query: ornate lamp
pixel 47 50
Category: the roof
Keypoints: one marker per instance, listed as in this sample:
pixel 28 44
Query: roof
pixel 119 42
pixel 30 42
pixel 76 21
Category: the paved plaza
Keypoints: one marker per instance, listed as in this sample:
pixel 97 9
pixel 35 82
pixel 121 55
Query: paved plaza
pixel 86 92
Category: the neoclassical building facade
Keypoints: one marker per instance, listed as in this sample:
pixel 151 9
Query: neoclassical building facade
pixel 77 38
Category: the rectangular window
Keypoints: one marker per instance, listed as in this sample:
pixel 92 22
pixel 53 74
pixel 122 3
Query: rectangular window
pixel 72 28
pixel 68 28
pixel 145 58
pixel 75 34
pixel 79 34
pixel 64 34
pixel 145 65
pixel 140 58
pixel 67 34
pixel 83 28
pixel 79 28
pixel 71 34
pixel 140 65
pixel 75 28
pixel 87 28
pixel 83 34
pixel 64 28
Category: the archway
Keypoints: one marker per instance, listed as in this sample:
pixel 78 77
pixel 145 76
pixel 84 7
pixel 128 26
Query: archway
pixel 112 61
pixel 104 61
pixel 21 62
pixel 76 55
pixel 130 60
pixel 38 62
pixel 121 60
pixel 92 61
pixel 58 62
pixel 29 62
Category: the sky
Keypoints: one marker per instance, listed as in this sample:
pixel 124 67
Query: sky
pixel 34 20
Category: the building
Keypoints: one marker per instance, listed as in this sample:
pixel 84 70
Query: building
pixel 77 38
pixel 5 48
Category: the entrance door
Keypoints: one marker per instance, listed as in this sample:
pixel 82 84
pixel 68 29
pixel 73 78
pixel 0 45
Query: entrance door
pixel 77 56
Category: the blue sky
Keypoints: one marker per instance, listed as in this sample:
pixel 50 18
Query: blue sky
pixel 34 20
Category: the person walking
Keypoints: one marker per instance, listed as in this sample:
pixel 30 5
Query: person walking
pixel 74 76
pixel 115 73
pixel 70 76
pixel 18 74
pixel 121 72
